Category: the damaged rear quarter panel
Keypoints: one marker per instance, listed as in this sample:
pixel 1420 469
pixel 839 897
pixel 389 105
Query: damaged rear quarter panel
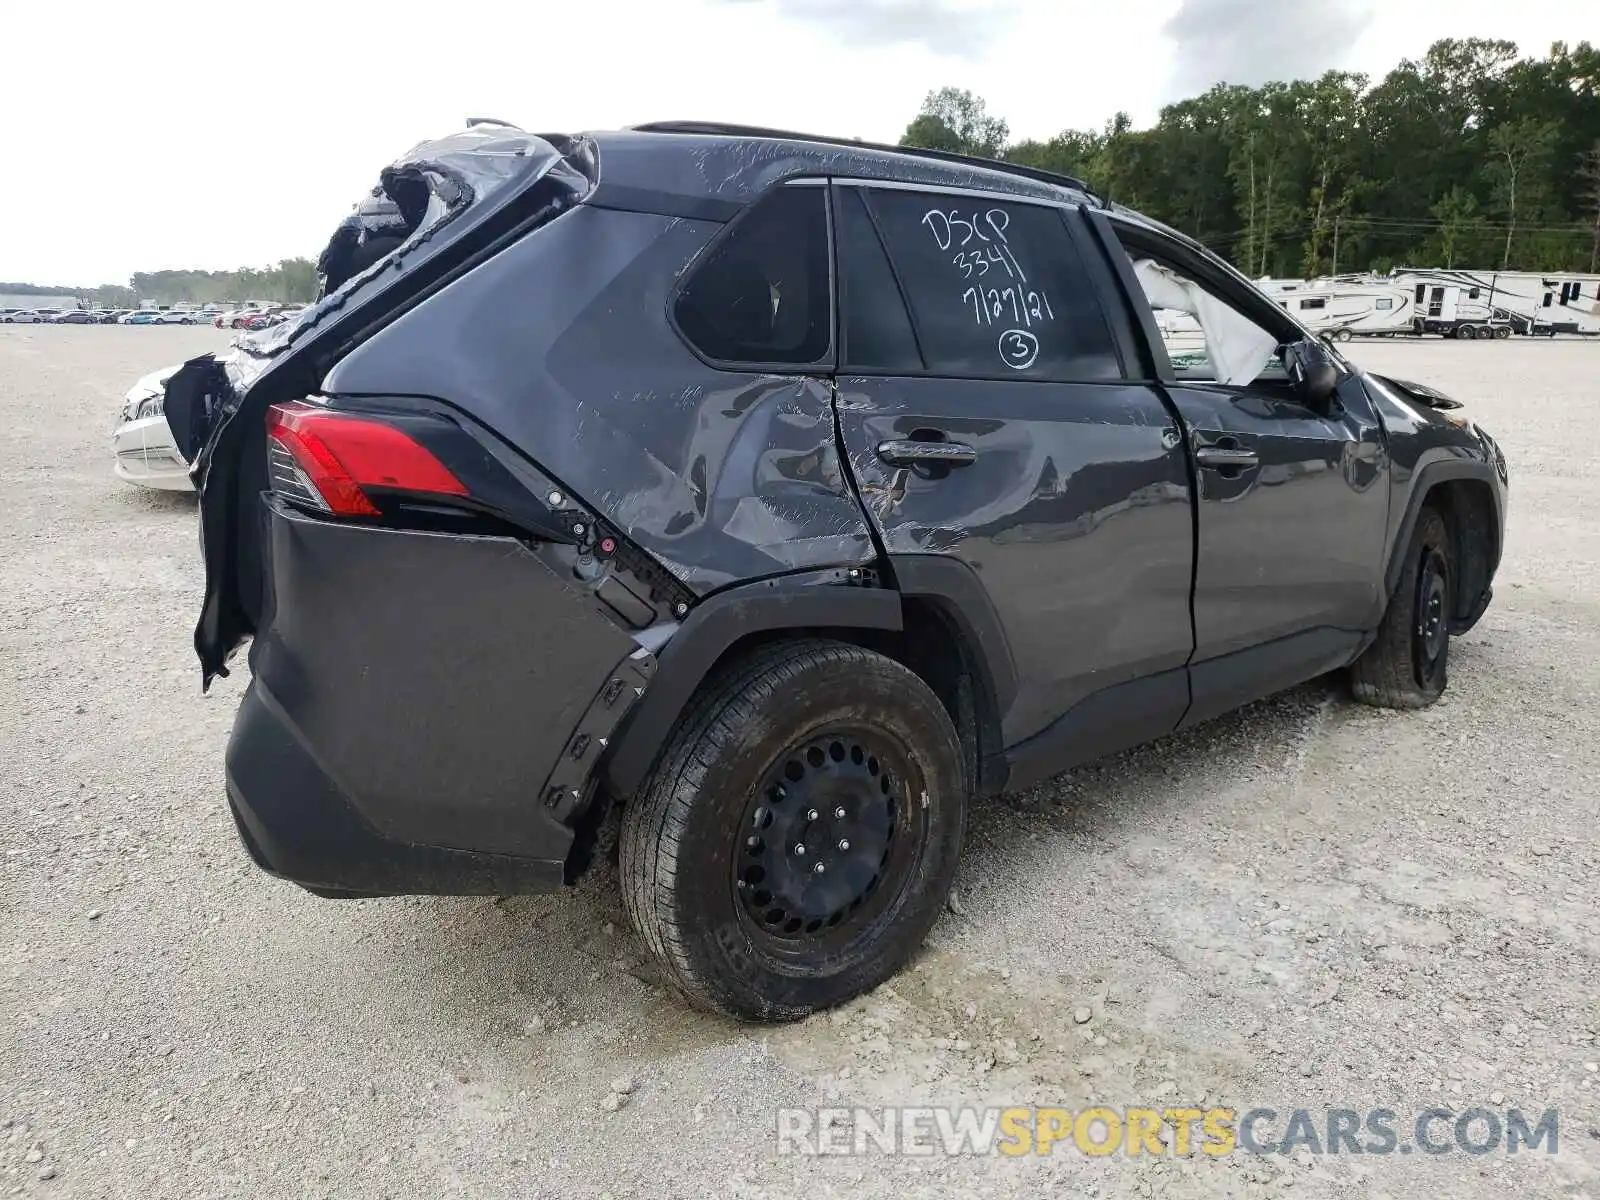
pixel 722 476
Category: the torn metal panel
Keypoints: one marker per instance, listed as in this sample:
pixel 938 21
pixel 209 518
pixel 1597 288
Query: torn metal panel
pixel 480 183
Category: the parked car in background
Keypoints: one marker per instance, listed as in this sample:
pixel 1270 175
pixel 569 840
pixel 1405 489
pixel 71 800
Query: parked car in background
pixel 142 448
pixel 270 317
pixel 23 316
pixel 175 316
pixel 75 317
pixel 142 316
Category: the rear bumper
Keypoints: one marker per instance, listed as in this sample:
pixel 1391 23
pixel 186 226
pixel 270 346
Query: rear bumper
pixel 297 824
pixel 425 714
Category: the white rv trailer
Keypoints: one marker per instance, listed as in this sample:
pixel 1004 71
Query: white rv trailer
pixel 1349 305
pixel 1411 302
pixel 1531 302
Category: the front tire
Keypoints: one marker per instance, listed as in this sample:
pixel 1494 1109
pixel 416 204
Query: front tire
pixel 1406 666
pixel 799 835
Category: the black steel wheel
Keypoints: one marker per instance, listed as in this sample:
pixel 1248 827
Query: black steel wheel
pixel 1431 631
pixel 1406 665
pixel 800 832
pixel 827 840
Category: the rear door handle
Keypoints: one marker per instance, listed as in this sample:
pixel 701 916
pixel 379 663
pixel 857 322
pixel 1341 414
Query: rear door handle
pixel 1218 458
pixel 899 453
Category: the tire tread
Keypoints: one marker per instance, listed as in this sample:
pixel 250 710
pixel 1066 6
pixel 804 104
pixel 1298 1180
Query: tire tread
pixel 1383 676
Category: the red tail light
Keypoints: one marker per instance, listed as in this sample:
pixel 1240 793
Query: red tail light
pixel 332 456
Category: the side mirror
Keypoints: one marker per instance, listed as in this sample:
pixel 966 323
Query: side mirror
pixel 1312 370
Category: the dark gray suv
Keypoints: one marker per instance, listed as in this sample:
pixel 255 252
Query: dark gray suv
pixel 748 501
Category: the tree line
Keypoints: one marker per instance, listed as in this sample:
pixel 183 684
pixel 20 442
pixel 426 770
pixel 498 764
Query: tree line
pixel 292 280
pixel 1471 157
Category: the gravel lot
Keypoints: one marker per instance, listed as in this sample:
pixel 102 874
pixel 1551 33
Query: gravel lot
pixel 1306 904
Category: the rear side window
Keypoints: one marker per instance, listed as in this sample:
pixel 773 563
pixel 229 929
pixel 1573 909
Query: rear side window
pixel 877 330
pixel 761 294
pixel 996 289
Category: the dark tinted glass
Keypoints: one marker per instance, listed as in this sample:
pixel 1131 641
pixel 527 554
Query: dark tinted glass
pixel 761 294
pixel 997 290
pixel 877 331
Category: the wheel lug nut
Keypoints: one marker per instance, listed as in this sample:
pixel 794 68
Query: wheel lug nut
pixel 820 868
pixel 812 815
pixel 839 812
pixel 800 848
pixel 844 843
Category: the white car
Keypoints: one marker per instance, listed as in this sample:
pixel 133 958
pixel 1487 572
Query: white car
pixel 22 317
pixel 142 448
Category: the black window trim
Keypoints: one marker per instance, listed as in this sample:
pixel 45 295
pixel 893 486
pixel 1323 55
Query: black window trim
pixel 1063 210
pixel 1154 348
pixel 825 366
pixel 836 191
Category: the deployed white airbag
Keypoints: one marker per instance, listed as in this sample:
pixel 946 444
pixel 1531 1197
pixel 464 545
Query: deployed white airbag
pixel 1236 346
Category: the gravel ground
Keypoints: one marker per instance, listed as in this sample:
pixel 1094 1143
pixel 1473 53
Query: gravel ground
pixel 1305 904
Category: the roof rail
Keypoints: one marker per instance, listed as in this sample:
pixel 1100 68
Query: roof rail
pixel 715 128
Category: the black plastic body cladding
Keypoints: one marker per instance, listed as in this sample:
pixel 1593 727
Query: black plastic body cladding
pixel 819 602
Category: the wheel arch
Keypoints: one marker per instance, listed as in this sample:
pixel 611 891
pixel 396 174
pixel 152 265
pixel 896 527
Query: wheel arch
pixel 1465 495
pixel 935 621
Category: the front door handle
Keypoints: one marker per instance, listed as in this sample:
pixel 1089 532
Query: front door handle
pixel 898 453
pixel 1217 458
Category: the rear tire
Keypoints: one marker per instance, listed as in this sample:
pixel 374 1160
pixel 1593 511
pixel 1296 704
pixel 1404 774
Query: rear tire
pixel 1342 335
pixel 1406 667
pixel 799 835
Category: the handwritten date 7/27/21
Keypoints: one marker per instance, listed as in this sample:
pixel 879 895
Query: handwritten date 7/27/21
pixel 1004 300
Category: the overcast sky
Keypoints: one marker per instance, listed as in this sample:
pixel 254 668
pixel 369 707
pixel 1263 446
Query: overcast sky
pixel 140 136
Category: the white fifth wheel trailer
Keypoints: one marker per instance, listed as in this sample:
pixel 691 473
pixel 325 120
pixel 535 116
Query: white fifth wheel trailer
pixel 1396 305
pixel 1531 302
pixel 1347 306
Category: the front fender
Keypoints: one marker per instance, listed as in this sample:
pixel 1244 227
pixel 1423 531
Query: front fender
pixel 1430 445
